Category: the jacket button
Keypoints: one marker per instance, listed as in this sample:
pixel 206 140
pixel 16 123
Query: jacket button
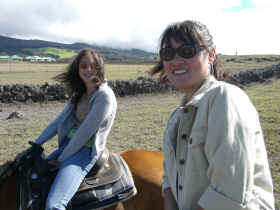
pixel 184 136
pixel 180 187
pixel 182 161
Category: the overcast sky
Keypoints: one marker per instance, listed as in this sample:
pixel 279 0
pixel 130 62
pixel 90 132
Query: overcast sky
pixel 246 26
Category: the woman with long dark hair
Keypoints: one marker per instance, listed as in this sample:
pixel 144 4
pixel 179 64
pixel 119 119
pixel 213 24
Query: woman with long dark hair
pixel 82 127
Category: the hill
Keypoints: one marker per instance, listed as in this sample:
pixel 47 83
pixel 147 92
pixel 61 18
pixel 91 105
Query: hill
pixel 12 46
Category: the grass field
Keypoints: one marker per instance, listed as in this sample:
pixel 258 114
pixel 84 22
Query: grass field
pixel 236 64
pixel 266 98
pixel 38 73
pixel 140 119
pixel 139 123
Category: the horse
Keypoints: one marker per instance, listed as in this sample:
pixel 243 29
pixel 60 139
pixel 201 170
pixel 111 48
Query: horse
pixel 146 169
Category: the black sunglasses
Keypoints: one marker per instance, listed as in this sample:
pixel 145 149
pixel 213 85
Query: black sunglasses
pixel 184 51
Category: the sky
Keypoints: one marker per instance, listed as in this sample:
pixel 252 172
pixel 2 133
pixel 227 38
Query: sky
pixel 237 26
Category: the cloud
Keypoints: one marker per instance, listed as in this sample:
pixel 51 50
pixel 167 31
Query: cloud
pixel 266 4
pixel 248 32
pixel 251 28
pixel 34 18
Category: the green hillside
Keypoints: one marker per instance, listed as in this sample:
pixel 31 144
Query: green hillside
pixel 12 46
pixel 55 52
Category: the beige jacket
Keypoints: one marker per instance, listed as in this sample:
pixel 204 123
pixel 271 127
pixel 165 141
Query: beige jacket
pixel 214 152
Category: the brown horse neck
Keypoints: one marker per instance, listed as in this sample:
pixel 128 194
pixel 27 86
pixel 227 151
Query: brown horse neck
pixel 8 193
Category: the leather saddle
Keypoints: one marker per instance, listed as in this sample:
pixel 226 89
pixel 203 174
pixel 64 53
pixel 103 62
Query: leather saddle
pixel 105 171
pixel 108 183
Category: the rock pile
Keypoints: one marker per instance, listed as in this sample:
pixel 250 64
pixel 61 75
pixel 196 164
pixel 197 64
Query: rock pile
pixel 15 115
pixel 47 92
pixel 24 93
pixel 255 75
pixel 138 86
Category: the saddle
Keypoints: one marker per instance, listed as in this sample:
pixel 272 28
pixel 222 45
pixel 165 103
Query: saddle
pixel 109 182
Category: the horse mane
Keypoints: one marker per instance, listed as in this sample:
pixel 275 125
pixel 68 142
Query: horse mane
pixel 10 164
pixel 4 166
pixel 5 170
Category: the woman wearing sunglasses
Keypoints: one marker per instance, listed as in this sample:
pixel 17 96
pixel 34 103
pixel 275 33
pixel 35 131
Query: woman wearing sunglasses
pixel 214 151
pixel 82 127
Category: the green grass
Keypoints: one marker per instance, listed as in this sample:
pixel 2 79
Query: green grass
pixel 266 98
pixel 140 119
pixel 28 73
pixel 38 73
pixel 61 53
pixel 246 62
pixel 140 123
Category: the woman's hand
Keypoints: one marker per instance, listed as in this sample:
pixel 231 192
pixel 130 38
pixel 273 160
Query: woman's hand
pixel 169 200
pixel 54 164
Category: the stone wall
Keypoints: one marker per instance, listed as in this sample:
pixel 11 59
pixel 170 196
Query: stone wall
pixel 46 92
pixel 255 75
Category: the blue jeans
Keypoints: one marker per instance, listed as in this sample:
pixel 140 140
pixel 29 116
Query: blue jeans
pixel 69 177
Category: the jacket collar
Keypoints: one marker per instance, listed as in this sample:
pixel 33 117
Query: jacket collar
pixel 198 95
pixel 104 85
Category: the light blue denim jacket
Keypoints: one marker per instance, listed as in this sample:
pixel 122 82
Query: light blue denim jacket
pixel 97 124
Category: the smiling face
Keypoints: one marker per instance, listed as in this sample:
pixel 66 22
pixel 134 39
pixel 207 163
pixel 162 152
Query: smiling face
pixel 87 70
pixel 187 74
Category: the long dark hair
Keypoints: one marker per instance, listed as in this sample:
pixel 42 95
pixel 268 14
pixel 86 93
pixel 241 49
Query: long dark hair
pixel 191 32
pixel 71 78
